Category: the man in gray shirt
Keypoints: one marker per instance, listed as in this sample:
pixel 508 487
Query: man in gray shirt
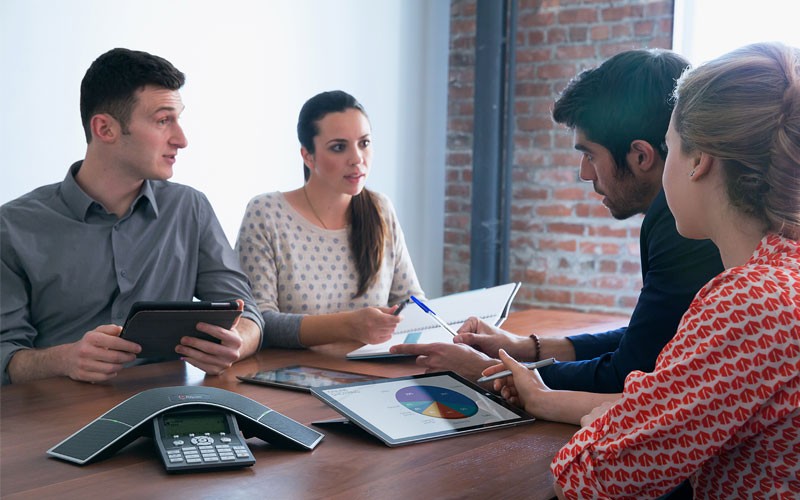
pixel 76 255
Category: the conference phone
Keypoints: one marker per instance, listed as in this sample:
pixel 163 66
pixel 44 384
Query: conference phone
pixel 197 439
pixel 194 428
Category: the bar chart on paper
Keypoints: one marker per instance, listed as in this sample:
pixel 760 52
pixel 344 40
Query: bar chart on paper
pixel 436 402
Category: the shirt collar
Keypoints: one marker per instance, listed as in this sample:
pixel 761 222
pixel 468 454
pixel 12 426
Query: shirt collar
pixel 79 202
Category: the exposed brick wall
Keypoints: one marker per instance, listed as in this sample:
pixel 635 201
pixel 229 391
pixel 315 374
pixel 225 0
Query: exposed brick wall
pixel 565 247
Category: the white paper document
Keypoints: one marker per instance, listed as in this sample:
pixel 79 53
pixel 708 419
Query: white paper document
pixel 417 327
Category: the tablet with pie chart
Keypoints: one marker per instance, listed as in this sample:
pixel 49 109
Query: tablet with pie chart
pixel 420 408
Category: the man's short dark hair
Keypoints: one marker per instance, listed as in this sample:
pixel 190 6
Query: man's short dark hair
pixel 626 98
pixel 111 83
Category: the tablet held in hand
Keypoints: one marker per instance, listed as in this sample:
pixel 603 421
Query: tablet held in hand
pixel 159 326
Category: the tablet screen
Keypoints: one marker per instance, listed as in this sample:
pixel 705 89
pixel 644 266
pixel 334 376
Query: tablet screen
pixel 421 408
pixel 303 378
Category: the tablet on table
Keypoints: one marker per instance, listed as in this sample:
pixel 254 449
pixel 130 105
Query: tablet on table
pixel 304 378
pixel 419 408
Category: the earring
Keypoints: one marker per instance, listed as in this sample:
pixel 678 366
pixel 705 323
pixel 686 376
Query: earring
pixel 691 174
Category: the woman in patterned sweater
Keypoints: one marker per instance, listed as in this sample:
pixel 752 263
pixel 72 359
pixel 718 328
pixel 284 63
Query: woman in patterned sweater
pixel 722 407
pixel 328 261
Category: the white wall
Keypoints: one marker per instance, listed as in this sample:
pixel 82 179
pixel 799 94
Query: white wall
pixel 250 65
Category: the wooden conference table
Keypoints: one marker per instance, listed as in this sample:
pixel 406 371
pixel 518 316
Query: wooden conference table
pixel 509 463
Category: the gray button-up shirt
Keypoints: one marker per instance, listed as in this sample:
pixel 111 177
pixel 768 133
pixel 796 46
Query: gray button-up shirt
pixel 68 265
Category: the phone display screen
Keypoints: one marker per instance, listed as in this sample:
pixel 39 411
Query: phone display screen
pixel 182 424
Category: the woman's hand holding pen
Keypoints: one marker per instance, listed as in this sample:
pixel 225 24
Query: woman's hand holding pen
pixel 524 388
pixel 372 325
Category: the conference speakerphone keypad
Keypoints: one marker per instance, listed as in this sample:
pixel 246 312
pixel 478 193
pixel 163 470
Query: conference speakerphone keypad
pixel 206 450
pixel 188 448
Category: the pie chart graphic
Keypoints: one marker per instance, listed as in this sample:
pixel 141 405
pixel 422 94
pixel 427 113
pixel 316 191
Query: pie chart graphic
pixel 436 402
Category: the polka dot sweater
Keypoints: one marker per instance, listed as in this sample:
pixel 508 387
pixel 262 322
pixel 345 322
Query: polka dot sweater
pixel 297 268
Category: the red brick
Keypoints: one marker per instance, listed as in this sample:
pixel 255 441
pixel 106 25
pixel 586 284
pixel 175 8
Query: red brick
pixel 610 49
pixel 547 244
pixel 550 205
pixel 556 35
pixel 459 159
pixel 532 89
pixel 661 42
pixel 456 221
pixel 643 28
pixel 536 18
pixel 553 211
pixel 463 8
pixel 542 106
pixel 608 232
pixel 562 280
pixel 535 277
pixel 463 43
pixel 600 32
pixel 563 141
pixel 578 34
pixel 623 30
pixel 608 266
pixel 566 228
pixel 570 159
pixel 465 108
pixel 534 123
pixel 599 248
pixel 463 26
pixel 577 16
pixel 530 193
pixel 456 190
pixel 550 71
pixel 532 55
pixel 551 295
pixel 665 28
pixel 543 140
pixel 656 9
pixel 556 176
pixel 608 283
pixel 629 267
pixel 616 13
pixel 524 141
pixel 574 52
pixel 460 125
pixel 569 194
pixel 522 107
pixel 536 37
pixel 455 238
pixel 597 299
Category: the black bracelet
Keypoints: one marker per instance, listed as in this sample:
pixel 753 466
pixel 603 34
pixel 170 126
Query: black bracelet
pixel 538 345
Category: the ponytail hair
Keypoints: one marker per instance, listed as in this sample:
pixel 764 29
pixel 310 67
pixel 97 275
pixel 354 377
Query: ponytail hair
pixel 367 227
pixel 743 108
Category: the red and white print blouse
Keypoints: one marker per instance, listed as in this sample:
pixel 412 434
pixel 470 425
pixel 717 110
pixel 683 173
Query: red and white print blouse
pixel 721 407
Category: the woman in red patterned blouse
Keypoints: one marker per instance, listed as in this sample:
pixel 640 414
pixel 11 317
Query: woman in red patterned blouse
pixel 722 407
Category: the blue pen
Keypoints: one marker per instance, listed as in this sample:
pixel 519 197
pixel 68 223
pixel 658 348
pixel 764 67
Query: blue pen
pixel 433 314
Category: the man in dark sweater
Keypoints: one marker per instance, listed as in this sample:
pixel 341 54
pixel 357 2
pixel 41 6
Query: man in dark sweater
pixel 619 113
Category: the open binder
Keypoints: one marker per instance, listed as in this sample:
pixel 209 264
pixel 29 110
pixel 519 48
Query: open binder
pixel 490 304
